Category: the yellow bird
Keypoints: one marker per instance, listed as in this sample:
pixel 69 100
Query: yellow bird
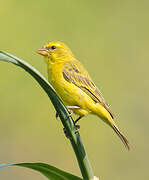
pixel 74 85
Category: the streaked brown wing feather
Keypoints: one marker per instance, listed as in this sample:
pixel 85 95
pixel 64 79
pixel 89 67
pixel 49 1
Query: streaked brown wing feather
pixel 75 73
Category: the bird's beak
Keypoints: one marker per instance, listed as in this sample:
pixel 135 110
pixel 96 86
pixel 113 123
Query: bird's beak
pixel 42 51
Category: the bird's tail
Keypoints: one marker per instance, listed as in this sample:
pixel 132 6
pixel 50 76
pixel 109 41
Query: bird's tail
pixel 108 119
pixel 121 136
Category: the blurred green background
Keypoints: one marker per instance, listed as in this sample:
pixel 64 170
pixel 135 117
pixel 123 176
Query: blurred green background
pixel 111 39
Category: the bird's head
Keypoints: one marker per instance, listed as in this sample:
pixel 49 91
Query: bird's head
pixel 55 52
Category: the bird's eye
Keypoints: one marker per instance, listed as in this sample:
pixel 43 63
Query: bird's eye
pixel 53 47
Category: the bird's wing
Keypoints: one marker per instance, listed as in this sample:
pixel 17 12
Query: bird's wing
pixel 74 73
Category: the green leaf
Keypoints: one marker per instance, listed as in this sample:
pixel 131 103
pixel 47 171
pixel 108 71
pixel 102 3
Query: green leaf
pixel 62 111
pixel 49 171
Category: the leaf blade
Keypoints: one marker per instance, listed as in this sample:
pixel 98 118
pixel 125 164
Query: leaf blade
pixel 47 170
pixel 66 119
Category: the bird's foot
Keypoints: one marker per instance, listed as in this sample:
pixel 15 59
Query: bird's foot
pixel 77 127
pixel 70 109
pixel 66 133
pixel 77 120
pixel 70 112
pixel 73 107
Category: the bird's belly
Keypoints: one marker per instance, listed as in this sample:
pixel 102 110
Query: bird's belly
pixel 72 96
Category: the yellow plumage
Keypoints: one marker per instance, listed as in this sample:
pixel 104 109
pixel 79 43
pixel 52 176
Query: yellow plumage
pixel 74 85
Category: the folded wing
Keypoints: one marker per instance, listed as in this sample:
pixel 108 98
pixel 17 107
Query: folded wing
pixel 75 73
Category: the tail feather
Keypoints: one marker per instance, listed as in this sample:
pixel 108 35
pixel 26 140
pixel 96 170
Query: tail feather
pixel 111 122
pixel 122 137
pixel 108 119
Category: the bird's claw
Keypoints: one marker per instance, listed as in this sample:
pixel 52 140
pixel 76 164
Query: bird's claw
pixel 77 127
pixel 66 133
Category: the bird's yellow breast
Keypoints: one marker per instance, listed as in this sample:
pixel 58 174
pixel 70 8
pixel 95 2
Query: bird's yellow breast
pixel 69 93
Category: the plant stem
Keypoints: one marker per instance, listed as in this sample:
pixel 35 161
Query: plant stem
pixel 66 120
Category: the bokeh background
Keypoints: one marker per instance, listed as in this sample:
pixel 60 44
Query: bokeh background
pixel 111 39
